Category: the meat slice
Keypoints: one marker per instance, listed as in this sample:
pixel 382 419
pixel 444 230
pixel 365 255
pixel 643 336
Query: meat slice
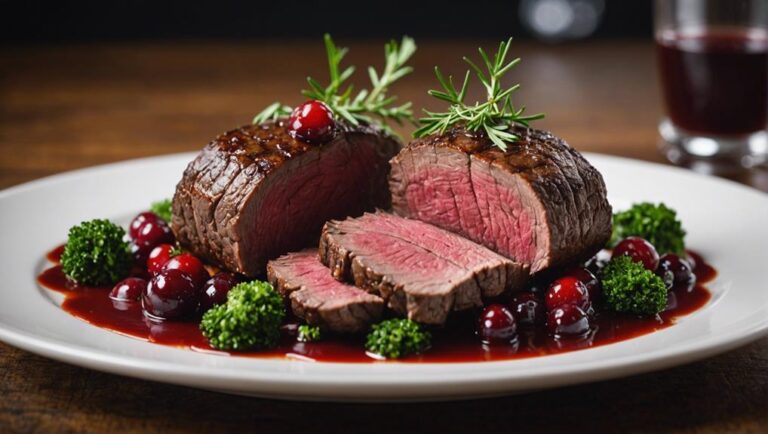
pixel 421 271
pixel 318 298
pixel 540 202
pixel 256 192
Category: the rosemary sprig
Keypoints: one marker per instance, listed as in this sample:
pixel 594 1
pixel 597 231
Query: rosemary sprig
pixel 495 116
pixel 366 103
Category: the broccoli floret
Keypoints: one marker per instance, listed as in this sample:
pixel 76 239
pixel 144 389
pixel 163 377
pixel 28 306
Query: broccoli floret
pixel 658 224
pixel 162 209
pixel 96 253
pixel 396 338
pixel 308 333
pixel 249 320
pixel 630 287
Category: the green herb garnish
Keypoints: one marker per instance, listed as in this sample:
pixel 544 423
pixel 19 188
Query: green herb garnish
pixel 495 116
pixel 249 320
pixel 366 103
pixel 162 209
pixel 394 338
pixel 308 333
pixel 657 224
pixel 96 253
pixel 629 287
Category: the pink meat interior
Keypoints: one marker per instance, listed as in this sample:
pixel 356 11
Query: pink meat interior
pixel 472 202
pixel 331 183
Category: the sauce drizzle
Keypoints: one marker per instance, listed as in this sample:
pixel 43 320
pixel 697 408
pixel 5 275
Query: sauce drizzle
pixel 454 343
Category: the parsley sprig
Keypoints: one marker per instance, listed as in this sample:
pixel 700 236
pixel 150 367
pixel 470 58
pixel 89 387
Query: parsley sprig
pixel 363 106
pixel 495 116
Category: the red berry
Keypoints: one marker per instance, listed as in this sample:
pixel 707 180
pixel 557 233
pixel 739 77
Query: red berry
pixel 567 320
pixel 158 257
pixel 567 290
pixel 153 233
pixel 129 289
pixel 170 294
pixel 496 325
pixel 190 265
pixel 312 121
pixel 133 229
pixel 589 280
pixel 216 289
pixel 639 250
pixel 528 309
pixel 676 272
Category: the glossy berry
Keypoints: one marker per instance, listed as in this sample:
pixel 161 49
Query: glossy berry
pixel 312 121
pixel 133 228
pixel 140 254
pixel 170 294
pixel 567 290
pixel 152 234
pixel 567 320
pixel 496 325
pixel 158 257
pixel 216 289
pixel 129 289
pixel 528 309
pixel 676 272
pixel 639 250
pixel 189 264
pixel 589 280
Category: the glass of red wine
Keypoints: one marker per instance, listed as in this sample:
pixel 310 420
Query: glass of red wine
pixel 713 65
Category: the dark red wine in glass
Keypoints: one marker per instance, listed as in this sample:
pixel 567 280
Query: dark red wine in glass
pixel 715 82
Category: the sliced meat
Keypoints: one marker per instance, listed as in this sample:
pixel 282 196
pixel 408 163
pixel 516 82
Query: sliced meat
pixel 540 202
pixel 421 271
pixel 256 192
pixel 318 298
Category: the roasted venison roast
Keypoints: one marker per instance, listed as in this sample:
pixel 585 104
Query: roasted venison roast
pixel 318 298
pixel 256 192
pixel 421 271
pixel 540 202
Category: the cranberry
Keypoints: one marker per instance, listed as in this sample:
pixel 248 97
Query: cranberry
pixel 129 289
pixel 158 257
pixel 140 254
pixel 312 121
pixel 676 272
pixel 216 289
pixel 496 325
pixel 170 294
pixel 528 309
pixel 567 320
pixel 189 264
pixel 152 234
pixel 589 280
pixel 596 263
pixel 133 229
pixel 639 250
pixel 567 290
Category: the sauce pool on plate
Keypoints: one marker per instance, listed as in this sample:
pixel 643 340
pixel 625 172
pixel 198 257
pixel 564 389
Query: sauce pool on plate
pixel 456 342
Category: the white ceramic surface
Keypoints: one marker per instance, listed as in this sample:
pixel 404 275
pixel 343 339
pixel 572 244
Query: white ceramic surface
pixel 726 222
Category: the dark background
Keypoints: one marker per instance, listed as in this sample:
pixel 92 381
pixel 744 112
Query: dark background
pixel 25 21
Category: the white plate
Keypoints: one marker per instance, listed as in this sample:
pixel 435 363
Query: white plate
pixel 726 222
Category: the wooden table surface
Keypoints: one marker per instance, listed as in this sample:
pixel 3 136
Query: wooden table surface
pixel 66 107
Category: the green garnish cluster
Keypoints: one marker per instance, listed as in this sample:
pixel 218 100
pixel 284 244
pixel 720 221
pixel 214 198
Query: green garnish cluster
pixel 96 253
pixel 308 333
pixel 656 223
pixel 360 107
pixel 162 209
pixel 396 338
pixel 249 320
pixel 495 116
pixel 629 287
